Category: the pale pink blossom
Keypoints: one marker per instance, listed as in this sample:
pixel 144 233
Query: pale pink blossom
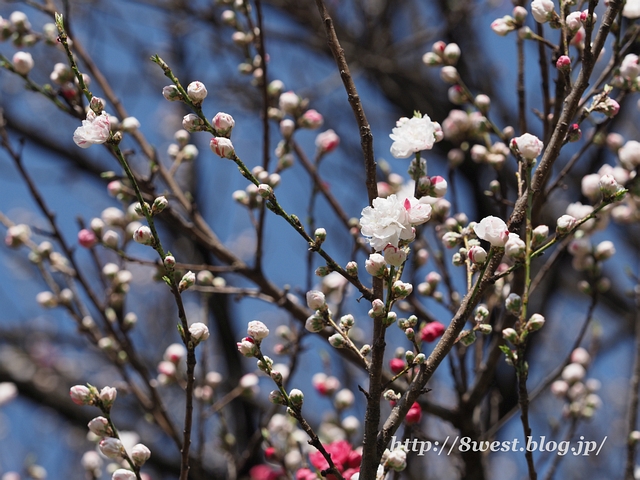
pixel 412 135
pixel 629 154
pixel 257 330
pixel 22 62
pixel 197 92
pixel 94 130
pixel 247 346
pixel 631 9
pixel 492 229
pixel 529 146
pixel 542 10
pixel 86 238
pixel 140 453
pixel 311 119
pixel 81 395
pixel 111 448
pixel 327 141
pixel 629 67
pixel 175 352
pixel 375 265
pixel 394 256
pixel 123 474
pixel 477 254
pixel 8 391
pixel 384 222
pixel 222 147
pixel 199 332
pixel 224 123
pixel 503 25
pixel 289 102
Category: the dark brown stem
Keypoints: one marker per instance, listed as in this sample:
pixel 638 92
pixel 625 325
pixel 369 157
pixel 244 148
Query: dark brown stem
pixel 633 401
pixel 366 137
pixel 570 107
pixel 522 371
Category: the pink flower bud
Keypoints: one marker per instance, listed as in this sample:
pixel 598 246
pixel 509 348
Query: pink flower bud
pixel 604 250
pixel 581 356
pixel 222 147
pixel 573 22
pixel 316 300
pixel 192 123
pixel 565 224
pixel 536 322
pixel 451 53
pixel 572 373
pixel 171 93
pixel 337 341
pixel 175 352
pixel 143 236
pixel 510 335
pixel 431 59
pixel 563 63
pixel 22 62
pixel 140 454
pixel 515 247
pixel 396 365
pixel 449 74
pixel 311 119
pixel 529 146
pixel 100 427
pixel 376 265
pixel 111 448
pixel 542 10
pixel 108 396
pixel 168 369
pixel 519 14
pixel 247 347
pixel 574 134
pixel 275 397
pixel 264 190
pixel 394 256
pixel 297 397
pixel 287 127
pixel 477 255
pixel 86 238
pixel 397 458
pixel 431 331
pixel 289 102
pixel 188 280
pixel 123 474
pixel 275 88
pixel 502 26
pixel 81 395
pixel 608 186
pixel 257 330
pixel 130 124
pixel 456 95
pixel 223 123
pixel 197 92
pixel 629 68
pixel 377 306
pixel 327 141
pixel 402 289
pixel 314 323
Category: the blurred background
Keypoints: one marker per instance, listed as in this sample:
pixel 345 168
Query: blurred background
pixel 384 41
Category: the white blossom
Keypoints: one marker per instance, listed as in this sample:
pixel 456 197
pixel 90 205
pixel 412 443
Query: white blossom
pixel 412 135
pixel 493 230
pixel 95 129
